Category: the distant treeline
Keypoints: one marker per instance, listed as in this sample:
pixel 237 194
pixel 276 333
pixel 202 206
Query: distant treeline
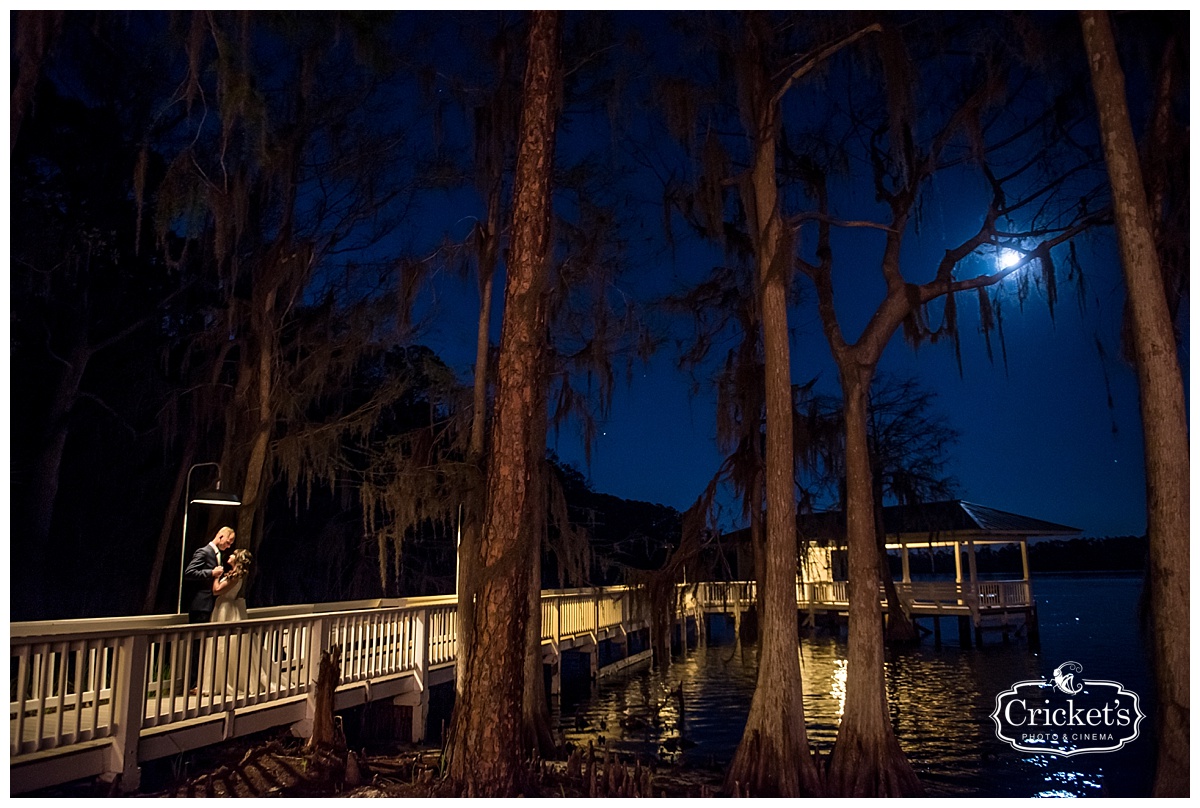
pixel 1057 555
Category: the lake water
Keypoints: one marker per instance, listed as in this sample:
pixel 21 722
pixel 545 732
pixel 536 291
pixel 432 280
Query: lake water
pixel 940 699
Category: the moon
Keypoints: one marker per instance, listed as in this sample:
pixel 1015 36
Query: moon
pixel 1008 258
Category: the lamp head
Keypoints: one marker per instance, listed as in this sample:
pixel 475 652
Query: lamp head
pixel 215 498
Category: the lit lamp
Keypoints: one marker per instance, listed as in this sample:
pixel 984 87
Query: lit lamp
pixel 214 497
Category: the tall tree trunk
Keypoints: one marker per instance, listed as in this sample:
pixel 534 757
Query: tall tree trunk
pixel 535 713
pixel 488 252
pixel 167 532
pixel 44 482
pixel 468 551
pixel 485 742
pixel 867 760
pixel 900 629
pixel 758 544
pixel 773 758
pixel 536 733
pixel 42 489
pixel 1164 418
pixel 255 482
pixel 35 34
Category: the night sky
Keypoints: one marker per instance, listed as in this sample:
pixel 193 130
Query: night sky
pixel 1038 438
pixel 1054 433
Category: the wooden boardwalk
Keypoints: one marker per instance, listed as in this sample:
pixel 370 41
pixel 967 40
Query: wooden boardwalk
pixel 91 697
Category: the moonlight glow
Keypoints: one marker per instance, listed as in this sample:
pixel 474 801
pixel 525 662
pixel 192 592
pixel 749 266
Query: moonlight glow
pixel 1007 258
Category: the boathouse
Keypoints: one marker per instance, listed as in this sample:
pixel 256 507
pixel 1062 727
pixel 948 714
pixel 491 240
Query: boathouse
pixel 963 528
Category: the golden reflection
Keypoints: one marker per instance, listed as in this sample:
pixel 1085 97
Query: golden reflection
pixel 838 689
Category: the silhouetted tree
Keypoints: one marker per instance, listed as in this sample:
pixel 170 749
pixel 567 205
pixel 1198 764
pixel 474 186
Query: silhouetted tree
pixel 908 442
pixel 1025 164
pixel 279 192
pixel 87 306
pixel 773 757
pixel 485 742
pixel 1164 416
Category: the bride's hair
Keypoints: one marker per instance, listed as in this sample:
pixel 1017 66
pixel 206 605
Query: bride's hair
pixel 239 561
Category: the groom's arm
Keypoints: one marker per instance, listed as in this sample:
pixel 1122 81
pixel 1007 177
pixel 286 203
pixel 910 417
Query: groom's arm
pixel 199 569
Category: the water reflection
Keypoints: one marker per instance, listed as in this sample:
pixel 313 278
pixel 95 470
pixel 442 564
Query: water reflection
pixel 838 689
pixel 940 701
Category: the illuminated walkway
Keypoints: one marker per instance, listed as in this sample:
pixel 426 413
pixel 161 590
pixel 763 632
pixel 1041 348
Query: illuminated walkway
pixel 99 697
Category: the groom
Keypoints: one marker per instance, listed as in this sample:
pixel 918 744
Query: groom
pixel 202 570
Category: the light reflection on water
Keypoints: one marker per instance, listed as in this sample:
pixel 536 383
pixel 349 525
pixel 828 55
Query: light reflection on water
pixel 940 700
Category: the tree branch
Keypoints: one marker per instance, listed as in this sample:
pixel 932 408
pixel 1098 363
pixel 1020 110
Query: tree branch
pixel 809 62
pixel 941 286
pixel 801 218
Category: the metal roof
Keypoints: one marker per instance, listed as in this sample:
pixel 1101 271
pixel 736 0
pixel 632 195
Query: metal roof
pixel 939 518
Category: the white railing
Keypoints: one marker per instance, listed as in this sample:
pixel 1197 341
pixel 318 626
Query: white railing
pixel 74 682
pixel 986 595
pixel 727 593
pixel 77 681
pixel 826 592
pixel 931 593
pixel 1003 593
pixel 59 692
pixel 577 613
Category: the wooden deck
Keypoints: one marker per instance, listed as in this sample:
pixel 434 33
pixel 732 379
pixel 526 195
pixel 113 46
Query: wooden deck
pixel 90 697
pixel 94 696
pixel 921 598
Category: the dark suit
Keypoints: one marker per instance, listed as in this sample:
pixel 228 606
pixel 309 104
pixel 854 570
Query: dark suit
pixel 199 575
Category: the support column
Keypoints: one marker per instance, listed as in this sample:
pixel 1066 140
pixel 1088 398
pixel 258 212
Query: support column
pixel 556 675
pixel 1025 559
pixel 957 563
pixel 129 692
pixel 556 666
pixel 317 643
pixel 418 699
pixel 904 571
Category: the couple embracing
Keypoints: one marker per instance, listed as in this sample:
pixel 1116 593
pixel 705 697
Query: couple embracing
pixel 217 574
pixel 217 586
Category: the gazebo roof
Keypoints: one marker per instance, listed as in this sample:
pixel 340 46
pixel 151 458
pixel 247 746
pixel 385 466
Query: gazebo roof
pixel 944 520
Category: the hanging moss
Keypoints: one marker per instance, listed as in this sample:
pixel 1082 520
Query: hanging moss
pixel 1075 273
pixel 679 105
pixel 987 321
pixel 715 168
pixel 914 323
pixel 996 306
pixel 1048 280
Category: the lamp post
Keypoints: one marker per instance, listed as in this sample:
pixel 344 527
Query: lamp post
pixel 214 497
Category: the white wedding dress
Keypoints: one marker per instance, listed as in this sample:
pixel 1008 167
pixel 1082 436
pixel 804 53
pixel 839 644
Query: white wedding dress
pixel 240 661
pixel 229 607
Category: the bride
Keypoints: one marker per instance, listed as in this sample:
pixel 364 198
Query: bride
pixel 235 657
pixel 230 608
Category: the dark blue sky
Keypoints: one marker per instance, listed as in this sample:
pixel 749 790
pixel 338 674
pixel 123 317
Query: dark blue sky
pixel 1038 439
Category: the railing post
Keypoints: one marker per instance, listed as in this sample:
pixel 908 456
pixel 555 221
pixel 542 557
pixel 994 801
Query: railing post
pixel 594 652
pixel 418 700
pixel 556 668
pixel 421 646
pixel 316 647
pixel 128 707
